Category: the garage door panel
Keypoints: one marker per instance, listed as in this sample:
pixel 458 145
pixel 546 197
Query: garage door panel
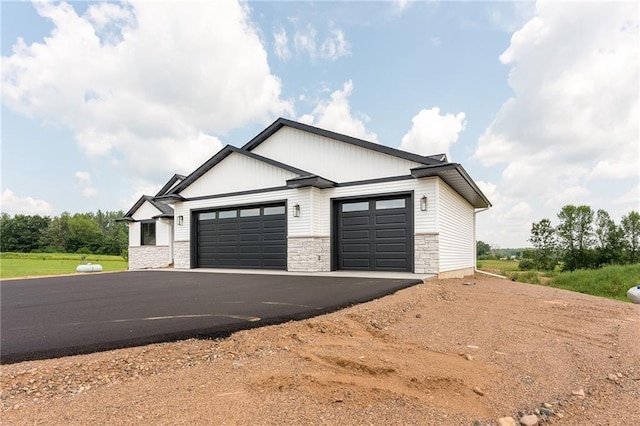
pixel 391 233
pixel 355 220
pixel 377 238
pixel 251 239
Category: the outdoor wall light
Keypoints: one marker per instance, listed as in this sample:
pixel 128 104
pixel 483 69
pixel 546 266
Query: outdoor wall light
pixel 423 203
pixel 296 210
pixel 180 220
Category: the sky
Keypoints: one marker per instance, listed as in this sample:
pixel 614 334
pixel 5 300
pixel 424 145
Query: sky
pixel 539 101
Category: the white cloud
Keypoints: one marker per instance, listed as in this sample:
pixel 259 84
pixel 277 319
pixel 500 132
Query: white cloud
pixel 282 44
pixel 84 184
pixel 13 204
pixel 432 133
pixel 399 6
pixel 335 114
pixel 334 46
pixel 573 118
pixel 83 178
pixel 146 83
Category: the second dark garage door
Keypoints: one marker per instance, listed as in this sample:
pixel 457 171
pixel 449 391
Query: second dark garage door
pixel 252 237
pixel 374 234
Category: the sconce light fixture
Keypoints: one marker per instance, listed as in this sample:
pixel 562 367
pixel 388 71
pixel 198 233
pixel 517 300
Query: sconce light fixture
pixel 296 210
pixel 423 203
pixel 180 220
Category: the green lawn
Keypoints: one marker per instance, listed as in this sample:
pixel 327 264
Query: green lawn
pixel 13 265
pixel 501 267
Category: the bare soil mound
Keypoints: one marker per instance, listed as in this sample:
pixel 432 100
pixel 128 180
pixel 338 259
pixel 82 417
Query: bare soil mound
pixel 447 352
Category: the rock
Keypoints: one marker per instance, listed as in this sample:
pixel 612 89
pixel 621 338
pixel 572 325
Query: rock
pixel 478 391
pixel 612 377
pixel 559 415
pixel 537 411
pixel 579 393
pixel 546 411
pixel 530 420
pixel 468 283
pixel 468 357
pixel 547 405
pixel 418 316
pixel 506 421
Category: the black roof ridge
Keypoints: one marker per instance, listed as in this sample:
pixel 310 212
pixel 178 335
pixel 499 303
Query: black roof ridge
pixel 167 186
pixel 281 122
pixel 163 208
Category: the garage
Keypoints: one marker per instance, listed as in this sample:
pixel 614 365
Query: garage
pixel 253 237
pixel 374 234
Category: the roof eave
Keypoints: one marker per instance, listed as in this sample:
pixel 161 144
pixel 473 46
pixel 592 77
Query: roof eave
pixel 457 178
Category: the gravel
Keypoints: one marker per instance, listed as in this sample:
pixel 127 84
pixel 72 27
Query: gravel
pixel 443 352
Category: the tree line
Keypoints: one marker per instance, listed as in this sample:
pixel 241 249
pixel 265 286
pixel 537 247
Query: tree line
pixel 583 239
pixel 88 233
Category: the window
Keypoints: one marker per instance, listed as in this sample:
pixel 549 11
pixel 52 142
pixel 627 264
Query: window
pixel 355 207
pixel 273 210
pixel 390 204
pixel 227 214
pixel 249 212
pixel 148 233
pixel 207 216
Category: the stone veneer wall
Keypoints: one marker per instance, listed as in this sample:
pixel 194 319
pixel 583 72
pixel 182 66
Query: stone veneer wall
pixel 182 254
pixel 142 257
pixel 427 253
pixel 308 254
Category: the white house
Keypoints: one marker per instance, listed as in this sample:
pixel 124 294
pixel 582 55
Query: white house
pixel 300 198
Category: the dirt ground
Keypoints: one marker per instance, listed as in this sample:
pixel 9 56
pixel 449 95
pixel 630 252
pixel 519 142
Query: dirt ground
pixel 447 352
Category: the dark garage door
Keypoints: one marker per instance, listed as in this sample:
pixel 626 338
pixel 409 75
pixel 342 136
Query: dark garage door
pixel 375 234
pixel 252 237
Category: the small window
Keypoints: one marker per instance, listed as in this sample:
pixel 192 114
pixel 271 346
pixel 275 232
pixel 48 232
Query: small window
pixel 390 204
pixel 227 214
pixel 207 216
pixel 249 212
pixel 355 207
pixel 273 210
pixel 148 234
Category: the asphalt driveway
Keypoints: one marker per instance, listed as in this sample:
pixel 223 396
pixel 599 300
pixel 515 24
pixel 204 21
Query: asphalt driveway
pixel 60 316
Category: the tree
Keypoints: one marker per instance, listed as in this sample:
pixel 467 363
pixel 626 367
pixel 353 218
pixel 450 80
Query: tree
pixel 84 234
pixel 575 236
pixel 482 248
pixel 609 239
pixel 630 225
pixel 22 233
pixel 543 239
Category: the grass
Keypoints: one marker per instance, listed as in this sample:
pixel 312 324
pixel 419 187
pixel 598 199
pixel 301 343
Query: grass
pixel 14 265
pixel 612 282
pixel 501 267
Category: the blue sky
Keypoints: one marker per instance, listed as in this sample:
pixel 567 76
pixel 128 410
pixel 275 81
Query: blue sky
pixel 102 102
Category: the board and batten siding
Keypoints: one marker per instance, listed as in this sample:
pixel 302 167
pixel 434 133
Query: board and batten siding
pixel 329 158
pixel 236 173
pixel 456 230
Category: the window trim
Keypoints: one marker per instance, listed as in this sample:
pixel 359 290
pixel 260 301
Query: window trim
pixel 143 225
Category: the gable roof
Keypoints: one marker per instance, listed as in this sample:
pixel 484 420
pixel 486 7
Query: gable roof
pixel 217 158
pixel 165 210
pixel 281 122
pixel 170 184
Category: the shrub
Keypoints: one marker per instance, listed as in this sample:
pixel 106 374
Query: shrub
pixel 526 265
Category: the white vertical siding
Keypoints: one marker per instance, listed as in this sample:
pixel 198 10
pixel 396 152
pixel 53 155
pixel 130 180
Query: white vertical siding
pixel 163 232
pixel 146 211
pixel 134 234
pixel 329 158
pixel 235 173
pixel 456 229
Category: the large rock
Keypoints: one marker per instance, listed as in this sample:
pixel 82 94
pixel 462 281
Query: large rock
pixel 506 421
pixel 530 420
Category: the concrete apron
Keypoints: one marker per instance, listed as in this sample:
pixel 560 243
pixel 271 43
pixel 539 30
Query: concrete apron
pixel 336 274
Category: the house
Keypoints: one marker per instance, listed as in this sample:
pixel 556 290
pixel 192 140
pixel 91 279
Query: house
pixel 151 230
pixel 300 198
